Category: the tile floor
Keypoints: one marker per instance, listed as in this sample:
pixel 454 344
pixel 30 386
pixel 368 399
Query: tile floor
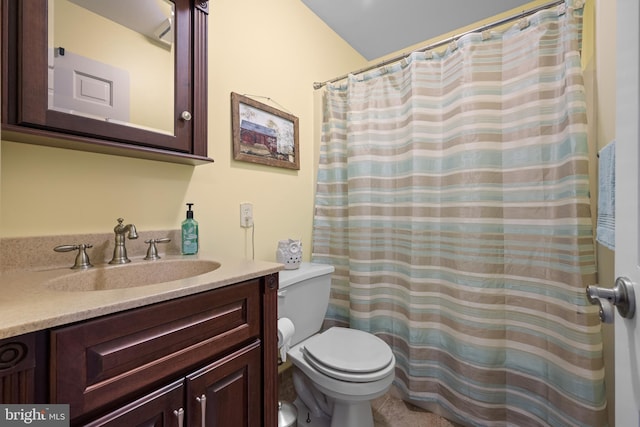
pixel 388 410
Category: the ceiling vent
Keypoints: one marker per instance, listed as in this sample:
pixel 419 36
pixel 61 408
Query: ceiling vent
pixel 164 32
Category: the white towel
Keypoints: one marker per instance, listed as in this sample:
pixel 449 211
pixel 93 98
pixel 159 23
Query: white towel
pixel 606 221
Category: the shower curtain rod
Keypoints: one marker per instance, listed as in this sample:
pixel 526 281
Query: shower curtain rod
pixel 524 14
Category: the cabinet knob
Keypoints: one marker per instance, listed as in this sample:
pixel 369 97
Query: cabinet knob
pixel 186 116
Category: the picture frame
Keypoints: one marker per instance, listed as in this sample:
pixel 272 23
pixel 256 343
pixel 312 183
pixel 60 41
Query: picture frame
pixel 263 134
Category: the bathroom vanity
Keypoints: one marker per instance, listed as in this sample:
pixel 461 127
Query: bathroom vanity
pixel 192 352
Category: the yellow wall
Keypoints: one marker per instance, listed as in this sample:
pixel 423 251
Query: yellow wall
pixel 275 49
pixel 257 49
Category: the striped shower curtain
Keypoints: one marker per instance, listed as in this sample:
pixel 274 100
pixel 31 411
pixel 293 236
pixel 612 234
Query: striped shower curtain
pixel 452 198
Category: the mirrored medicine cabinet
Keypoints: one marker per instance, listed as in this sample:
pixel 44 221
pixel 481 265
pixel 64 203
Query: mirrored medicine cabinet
pixel 118 77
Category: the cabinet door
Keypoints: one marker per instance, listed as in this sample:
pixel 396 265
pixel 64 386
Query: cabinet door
pixel 27 117
pixel 227 392
pixel 161 408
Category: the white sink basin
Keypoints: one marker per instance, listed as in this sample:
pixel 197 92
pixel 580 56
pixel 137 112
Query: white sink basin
pixel 131 275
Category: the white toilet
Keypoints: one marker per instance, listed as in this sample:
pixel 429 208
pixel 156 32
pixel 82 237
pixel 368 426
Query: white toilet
pixel 339 371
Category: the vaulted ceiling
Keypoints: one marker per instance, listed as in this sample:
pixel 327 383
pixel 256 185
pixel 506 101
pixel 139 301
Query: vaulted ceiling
pixel 378 27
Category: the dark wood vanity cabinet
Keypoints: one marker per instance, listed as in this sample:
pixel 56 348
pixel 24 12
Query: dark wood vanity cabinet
pixel 204 359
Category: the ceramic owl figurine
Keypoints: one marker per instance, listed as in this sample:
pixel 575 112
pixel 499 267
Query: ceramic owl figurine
pixel 289 253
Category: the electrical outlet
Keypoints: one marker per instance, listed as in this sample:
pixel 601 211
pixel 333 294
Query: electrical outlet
pixel 246 215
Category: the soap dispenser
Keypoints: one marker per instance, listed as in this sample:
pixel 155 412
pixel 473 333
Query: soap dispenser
pixel 189 233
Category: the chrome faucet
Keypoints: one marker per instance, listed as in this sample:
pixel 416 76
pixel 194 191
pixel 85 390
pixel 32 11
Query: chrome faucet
pixel 120 251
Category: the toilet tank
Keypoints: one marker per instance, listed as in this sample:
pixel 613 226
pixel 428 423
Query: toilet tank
pixel 303 297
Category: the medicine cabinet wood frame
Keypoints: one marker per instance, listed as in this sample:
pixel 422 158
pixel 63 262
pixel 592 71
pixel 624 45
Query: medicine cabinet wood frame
pixel 27 118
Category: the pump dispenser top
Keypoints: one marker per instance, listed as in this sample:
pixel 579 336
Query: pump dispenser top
pixel 189 233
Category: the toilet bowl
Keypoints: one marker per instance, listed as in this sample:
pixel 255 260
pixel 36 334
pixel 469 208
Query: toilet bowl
pixel 346 386
pixel 339 371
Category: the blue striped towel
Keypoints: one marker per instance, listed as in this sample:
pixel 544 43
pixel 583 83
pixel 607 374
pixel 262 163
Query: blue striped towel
pixel 606 221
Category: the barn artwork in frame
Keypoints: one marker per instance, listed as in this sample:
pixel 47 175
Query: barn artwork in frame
pixel 263 134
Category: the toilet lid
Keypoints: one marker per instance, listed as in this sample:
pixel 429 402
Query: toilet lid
pixel 346 353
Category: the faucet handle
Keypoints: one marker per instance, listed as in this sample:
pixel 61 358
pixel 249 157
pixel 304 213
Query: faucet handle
pixel 152 252
pixel 82 259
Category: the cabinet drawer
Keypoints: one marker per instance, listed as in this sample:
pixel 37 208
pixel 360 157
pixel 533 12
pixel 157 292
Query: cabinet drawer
pixel 104 360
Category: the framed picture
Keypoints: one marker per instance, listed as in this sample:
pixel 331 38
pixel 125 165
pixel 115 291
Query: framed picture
pixel 263 134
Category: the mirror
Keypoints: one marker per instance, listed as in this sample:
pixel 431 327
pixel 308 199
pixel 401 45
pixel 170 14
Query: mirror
pixel 168 65
pixel 102 77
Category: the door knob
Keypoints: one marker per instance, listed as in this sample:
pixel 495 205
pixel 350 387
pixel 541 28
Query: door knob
pixel 621 296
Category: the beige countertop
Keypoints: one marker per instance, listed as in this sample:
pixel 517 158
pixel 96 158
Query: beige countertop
pixel 28 304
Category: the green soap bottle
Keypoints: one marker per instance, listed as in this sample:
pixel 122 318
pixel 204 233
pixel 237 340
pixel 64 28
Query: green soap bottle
pixel 189 233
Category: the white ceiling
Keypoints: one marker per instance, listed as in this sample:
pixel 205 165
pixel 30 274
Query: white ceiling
pixel 143 16
pixel 376 28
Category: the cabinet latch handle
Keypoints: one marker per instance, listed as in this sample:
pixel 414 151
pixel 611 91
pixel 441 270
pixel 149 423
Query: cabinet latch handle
pixel 203 408
pixel 179 413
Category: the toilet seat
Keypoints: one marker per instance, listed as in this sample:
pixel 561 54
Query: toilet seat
pixel 349 355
